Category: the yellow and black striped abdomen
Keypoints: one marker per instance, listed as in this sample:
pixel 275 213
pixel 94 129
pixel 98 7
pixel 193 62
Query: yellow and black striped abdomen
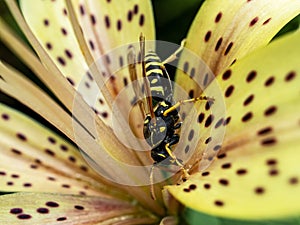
pixel 159 83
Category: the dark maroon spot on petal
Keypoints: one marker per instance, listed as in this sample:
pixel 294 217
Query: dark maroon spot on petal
pixel 200 117
pixel 226 166
pixel 270 111
pixel 16 211
pixel 192 186
pixel 72 159
pixel 82 193
pixel 259 190
pixel 191 93
pixel 226 75
pixel 69 54
pixel 24 216
pixel 247 117
pixel 218 17
pixel 52 204
pixel 91 44
pixel 290 76
pixel 253 21
pixel 217 148
pixel 273 172
pixel 204 174
pixel 104 114
pixel 293 180
pixel 15 176
pixel 79 207
pixel 218 45
pixel 241 171
pixel 125 81
pixel 71 81
pixel 233 62
pixel 207 36
pixel 219 203
pixel 48 46
pixel 43 210
pixel 271 162
pixel 119 25
pixel 65 185
pixel 129 16
pixel 248 100
pixel 46 22
pixel 208 140
pixel 135 9
pixel 81 9
pixel 205 80
pixel 16 151
pixel 5 116
pixel 121 61
pixel 51 140
pixel 191 135
pixel 93 19
pixel 51 178
pixel 108 61
pixel 227 121
pixel 61 219
pixel 89 75
pixel 221 156
pixel 185 67
pixel 268 141
pixel 27 185
pixel 84 168
pixel 224 182
pixel 269 81
pixel 64 148
pixel 64 31
pixel 21 137
pixel 9 183
pixel 187 148
pixel 61 60
pixel 186 190
pixel 107 21
pixel 208 105
pixel 142 20
pixel 228 48
pixel 192 73
pixel 209 120
pixel 33 166
pixel 38 161
pixel 266 21
pixel 251 76
pixel 49 152
pixel 229 91
pixel 264 131
pixel 206 186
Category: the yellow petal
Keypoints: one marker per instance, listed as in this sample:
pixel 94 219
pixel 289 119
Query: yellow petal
pixel 34 158
pixel 223 32
pixel 105 25
pixel 33 208
pixel 257 175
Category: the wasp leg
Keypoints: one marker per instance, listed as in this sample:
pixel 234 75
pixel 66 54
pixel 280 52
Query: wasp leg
pixel 179 103
pixel 185 173
pixel 174 55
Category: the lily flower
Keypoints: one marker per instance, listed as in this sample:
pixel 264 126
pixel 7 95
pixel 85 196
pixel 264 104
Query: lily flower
pixel 242 151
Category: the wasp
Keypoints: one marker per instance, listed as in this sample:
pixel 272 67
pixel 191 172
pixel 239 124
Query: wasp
pixel 162 121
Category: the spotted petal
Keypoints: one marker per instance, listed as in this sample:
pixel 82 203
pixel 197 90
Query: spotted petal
pixel 67 209
pixel 105 25
pixel 34 158
pixel 257 174
pixel 224 32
